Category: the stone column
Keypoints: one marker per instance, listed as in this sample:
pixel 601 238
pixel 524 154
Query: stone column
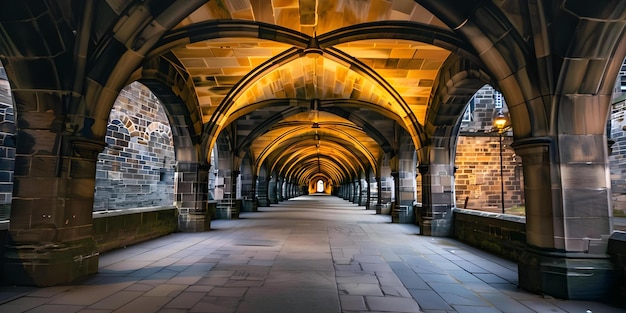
pixel 567 191
pixel 262 191
pixel 404 181
pixel 191 186
pixel 386 183
pixel 279 189
pixel 272 190
pixel 354 191
pixel 50 235
pixel 437 192
pixel 248 186
pixel 368 193
pixel 233 202
pixel 379 199
pixel 363 192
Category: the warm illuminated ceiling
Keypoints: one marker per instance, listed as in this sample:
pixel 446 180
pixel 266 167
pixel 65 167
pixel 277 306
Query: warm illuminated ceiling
pixel 373 80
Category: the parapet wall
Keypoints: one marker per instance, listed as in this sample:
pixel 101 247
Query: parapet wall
pixel 502 234
pixel 119 229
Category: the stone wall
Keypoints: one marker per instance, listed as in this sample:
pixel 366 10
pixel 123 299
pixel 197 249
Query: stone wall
pixel 113 230
pixel 7 145
pixel 503 235
pixel 136 168
pixel 477 178
pixel 617 158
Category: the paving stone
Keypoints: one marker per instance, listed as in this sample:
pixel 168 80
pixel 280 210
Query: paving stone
pixel 185 300
pixel 165 290
pixel 504 303
pixel 228 291
pixel 490 278
pixel 144 305
pixel 411 280
pixel 301 300
pixel 210 304
pixel 352 303
pixel 352 277
pixel 395 291
pixel 392 304
pixel 475 309
pixel 429 300
pixel 56 308
pixel 116 300
pixel 360 289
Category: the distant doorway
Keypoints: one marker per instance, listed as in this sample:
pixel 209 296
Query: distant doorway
pixel 320 186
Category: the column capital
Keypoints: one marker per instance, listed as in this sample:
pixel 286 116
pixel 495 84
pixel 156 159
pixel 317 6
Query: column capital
pixel 87 148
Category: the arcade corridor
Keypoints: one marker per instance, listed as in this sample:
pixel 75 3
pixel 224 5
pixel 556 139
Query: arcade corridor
pixel 309 254
pixel 263 99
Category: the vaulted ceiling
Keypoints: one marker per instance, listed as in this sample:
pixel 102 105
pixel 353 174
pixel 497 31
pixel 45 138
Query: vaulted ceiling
pixel 355 68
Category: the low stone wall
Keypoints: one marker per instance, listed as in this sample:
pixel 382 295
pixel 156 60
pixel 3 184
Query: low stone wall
pixel 502 234
pixel 116 229
pixel 617 251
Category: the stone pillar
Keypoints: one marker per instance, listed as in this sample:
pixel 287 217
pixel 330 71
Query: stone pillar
pixel 386 183
pixel 248 186
pixel 272 193
pixel 437 193
pixel 50 235
pixel 368 193
pixel 567 191
pixel 379 199
pixel 354 191
pixel 191 186
pixel 404 182
pixel 279 189
pixel 262 191
pixel 363 192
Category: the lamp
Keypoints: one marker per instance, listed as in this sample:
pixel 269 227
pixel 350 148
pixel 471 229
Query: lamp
pixel 501 123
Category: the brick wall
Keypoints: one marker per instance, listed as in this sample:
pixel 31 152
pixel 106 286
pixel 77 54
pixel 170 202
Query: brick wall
pixel 478 174
pixel 617 158
pixel 477 178
pixel 7 145
pixel 136 168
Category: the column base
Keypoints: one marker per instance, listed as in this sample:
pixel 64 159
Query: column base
pixel 576 276
pixel 263 201
pixel 49 264
pixel 436 227
pixel 228 209
pixel 191 221
pixel 248 205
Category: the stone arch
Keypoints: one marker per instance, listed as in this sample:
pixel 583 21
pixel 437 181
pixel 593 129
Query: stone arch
pixel 136 168
pixel 7 146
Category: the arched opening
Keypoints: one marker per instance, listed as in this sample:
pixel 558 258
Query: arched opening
pixel 320 186
pixel 7 146
pixel 136 169
pixel 617 150
pixel 489 173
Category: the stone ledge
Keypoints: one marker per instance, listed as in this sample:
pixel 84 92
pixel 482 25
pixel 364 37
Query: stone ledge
pixel 108 213
pixel 502 234
pixel 122 228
